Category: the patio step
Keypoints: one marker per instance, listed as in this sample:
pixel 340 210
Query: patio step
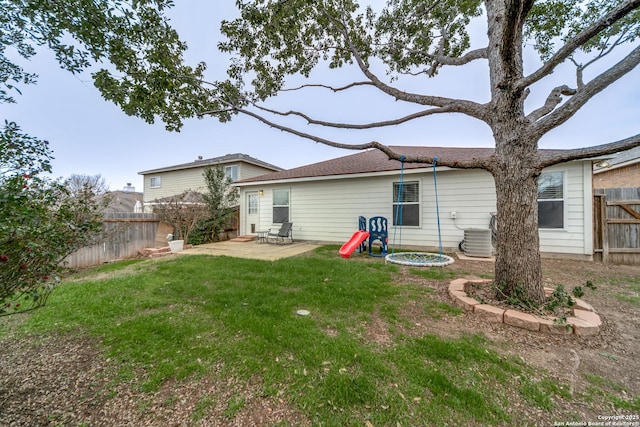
pixel 245 238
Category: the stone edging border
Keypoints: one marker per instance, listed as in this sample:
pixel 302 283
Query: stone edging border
pixel 584 322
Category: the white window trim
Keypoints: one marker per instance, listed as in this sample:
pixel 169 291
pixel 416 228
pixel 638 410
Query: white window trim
pixel 419 203
pixel 564 202
pixel 151 179
pixel 288 205
pixel 228 172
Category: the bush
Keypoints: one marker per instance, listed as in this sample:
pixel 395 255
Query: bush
pixel 41 222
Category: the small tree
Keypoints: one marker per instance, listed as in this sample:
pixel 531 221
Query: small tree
pixel 41 222
pixel 220 199
pixel 183 212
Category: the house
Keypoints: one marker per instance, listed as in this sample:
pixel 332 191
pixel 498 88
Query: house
pixel 324 200
pixel 620 171
pixel 172 180
pixel 123 201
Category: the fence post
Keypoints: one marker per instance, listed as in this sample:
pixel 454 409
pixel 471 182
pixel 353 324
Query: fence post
pixel 604 227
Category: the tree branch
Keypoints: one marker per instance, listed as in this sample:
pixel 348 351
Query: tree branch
pixel 391 154
pixel 553 100
pixel 472 109
pixel 460 60
pixel 371 125
pixel 439 60
pixel 589 152
pixel 588 91
pixel 334 89
pixel 579 40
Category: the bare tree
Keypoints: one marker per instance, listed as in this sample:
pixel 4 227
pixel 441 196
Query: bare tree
pixel 182 211
pixel 79 182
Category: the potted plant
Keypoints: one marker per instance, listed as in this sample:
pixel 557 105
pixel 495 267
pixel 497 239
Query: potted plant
pixel 175 245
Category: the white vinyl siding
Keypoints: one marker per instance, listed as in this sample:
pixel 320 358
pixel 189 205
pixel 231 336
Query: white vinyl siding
pixel 174 182
pixel 576 237
pixel 247 171
pixel 327 210
pixel 180 180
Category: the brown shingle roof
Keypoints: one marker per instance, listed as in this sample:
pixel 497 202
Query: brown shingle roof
pixel 122 201
pixel 376 161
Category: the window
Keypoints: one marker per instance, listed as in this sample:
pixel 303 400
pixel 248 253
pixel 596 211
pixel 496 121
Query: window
pixel 551 200
pixel 406 206
pixel 156 182
pixel 280 206
pixel 231 172
pixel 253 204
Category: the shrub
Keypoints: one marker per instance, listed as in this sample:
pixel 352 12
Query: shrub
pixel 41 222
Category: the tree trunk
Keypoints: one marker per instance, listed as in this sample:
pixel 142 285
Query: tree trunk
pixel 518 269
pixel 516 160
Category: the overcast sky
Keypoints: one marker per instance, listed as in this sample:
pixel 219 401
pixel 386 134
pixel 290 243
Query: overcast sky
pixel 91 136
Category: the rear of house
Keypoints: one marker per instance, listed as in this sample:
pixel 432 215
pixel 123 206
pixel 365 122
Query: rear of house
pixel 324 201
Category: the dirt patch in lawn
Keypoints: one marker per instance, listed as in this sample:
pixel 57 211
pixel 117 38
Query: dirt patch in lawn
pixel 611 358
pixel 66 380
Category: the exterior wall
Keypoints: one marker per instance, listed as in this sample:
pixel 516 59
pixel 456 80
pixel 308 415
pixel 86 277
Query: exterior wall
pixel 246 170
pixel 577 235
pixel 624 177
pixel 174 182
pixel 327 209
pixel 178 181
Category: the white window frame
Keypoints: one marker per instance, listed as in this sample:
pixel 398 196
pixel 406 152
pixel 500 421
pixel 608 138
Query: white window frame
pixel 405 203
pixel 231 172
pixel 281 206
pixel 153 183
pixel 555 199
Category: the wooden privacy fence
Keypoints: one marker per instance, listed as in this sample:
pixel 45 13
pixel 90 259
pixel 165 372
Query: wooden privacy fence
pixel 125 234
pixel 616 225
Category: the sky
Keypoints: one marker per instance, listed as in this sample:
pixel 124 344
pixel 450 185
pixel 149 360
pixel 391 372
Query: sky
pixel 91 136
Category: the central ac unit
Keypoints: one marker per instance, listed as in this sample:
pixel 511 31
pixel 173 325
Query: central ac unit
pixel 477 242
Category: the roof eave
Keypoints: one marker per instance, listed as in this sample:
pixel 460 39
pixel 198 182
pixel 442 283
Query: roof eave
pixel 205 163
pixel 336 177
pixel 616 166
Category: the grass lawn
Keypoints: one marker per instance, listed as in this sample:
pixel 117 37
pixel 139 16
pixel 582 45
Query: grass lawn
pixel 192 318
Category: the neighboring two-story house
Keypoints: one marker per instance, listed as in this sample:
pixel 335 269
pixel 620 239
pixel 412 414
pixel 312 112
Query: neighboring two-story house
pixel 169 181
pixel 172 180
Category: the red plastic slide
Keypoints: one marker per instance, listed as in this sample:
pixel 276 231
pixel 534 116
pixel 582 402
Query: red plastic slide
pixel 352 244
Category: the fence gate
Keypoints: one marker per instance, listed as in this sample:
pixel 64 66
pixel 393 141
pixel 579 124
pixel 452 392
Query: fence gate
pixel 617 225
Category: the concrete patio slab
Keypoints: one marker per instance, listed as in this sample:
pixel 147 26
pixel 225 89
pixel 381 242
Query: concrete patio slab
pixel 251 250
